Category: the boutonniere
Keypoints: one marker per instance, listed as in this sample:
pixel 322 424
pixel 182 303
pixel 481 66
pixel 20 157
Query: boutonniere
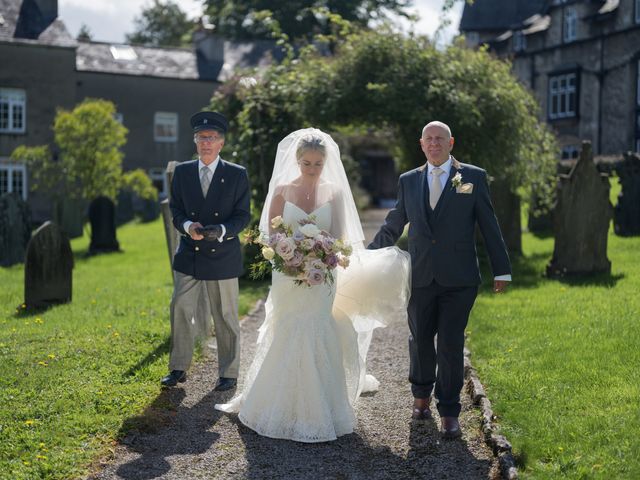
pixel 456 181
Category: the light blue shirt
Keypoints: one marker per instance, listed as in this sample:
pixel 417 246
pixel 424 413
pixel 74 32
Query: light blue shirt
pixel 444 177
pixel 212 167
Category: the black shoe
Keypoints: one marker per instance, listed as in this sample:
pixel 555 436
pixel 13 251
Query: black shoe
pixel 175 377
pixel 225 384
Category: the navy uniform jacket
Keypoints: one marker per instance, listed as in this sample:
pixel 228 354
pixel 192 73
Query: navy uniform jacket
pixel 441 242
pixel 227 203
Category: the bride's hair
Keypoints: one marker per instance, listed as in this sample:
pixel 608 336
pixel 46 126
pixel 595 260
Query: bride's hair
pixel 310 142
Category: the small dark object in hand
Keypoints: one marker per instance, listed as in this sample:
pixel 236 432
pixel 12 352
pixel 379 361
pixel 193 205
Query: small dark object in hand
pixel 210 232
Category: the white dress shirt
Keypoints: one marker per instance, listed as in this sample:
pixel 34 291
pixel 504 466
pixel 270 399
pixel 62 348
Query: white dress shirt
pixel 212 167
pixel 444 177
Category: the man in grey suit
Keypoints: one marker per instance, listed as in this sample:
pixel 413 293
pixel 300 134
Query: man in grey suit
pixel 443 201
pixel 210 207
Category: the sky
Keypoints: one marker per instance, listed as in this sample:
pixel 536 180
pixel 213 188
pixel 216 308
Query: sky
pixel 110 20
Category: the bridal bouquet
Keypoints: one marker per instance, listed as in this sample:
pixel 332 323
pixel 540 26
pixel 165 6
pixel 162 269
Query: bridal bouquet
pixel 305 252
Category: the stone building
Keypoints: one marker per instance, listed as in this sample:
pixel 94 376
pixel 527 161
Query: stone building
pixel 155 90
pixel 580 58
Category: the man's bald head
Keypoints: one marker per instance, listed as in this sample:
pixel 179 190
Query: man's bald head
pixel 436 142
pixel 436 123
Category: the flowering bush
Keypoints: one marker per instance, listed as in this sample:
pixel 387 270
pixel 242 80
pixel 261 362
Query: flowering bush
pixel 305 253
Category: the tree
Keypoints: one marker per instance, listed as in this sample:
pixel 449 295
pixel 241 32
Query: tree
pixel 89 159
pixel 163 24
pixel 251 19
pixel 381 80
pixel 84 35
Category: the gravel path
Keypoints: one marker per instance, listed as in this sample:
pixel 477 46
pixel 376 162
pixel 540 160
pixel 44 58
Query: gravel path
pixel 181 436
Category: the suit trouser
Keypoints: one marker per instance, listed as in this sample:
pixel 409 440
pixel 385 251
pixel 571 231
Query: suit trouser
pixel 443 311
pixel 223 300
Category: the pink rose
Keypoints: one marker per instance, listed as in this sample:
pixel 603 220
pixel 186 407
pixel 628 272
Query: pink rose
pixel 286 248
pixel 331 260
pixel 315 277
pixel 296 260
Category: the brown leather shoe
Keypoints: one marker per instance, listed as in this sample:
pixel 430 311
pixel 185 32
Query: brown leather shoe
pixel 450 428
pixel 421 409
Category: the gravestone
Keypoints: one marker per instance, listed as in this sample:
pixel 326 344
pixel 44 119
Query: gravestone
pixel 581 220
pixel 124 208
pixel 147 210
pixel 71 216
pixel 15 229
pixel 626 218
pixel 507 209
pixel 103 226
pixel 48 268
pixel 171 234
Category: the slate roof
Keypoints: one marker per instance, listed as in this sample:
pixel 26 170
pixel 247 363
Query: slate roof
pixel 498 15
pixel 181 63
pixel 21 21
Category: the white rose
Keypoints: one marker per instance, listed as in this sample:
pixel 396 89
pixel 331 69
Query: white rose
pixel 309 230
pixel 276 221
pixel 268 253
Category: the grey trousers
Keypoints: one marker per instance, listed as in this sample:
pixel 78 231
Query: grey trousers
pixel 188 293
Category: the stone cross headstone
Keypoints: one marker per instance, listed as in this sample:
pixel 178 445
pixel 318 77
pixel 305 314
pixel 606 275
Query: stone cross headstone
pixel 48 268
pixel 581 220
pixel 103 226
pixel 15 229
pixel 626 218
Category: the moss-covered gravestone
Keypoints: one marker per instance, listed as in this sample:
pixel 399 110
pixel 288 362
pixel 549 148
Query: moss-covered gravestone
pixel 626 219
pixel 581 220
pixel 48 268
pixel 15 229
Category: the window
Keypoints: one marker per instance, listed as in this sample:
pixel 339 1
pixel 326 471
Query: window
pixel 519 41
pixel 123 52
pixel 118 117
pixel 562 95
pixel 13 178
pixel 637 11
pixel 159 179
pixel 570 25
pixel 569 152
pixel 165 127
pixel 13 111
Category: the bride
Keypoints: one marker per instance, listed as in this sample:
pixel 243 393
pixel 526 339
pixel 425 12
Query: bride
pixel 309 367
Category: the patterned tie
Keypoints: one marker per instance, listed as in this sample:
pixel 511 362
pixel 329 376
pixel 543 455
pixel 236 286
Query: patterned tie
pixel 436 187
pixel 205 179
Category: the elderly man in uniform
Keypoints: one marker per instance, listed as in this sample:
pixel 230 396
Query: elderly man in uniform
pixel 210 207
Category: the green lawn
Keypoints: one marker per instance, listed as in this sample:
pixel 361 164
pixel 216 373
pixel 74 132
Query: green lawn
pixel 560 361
pixel 72 375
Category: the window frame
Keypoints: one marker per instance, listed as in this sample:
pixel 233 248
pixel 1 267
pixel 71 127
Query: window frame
pixel 11 169
pixel 15 97
pixel 157 116
pixel 563 93
pixel 519 41
pixel 569 25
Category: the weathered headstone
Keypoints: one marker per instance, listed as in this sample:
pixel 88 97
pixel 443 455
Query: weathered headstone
pixel 48 268
pixel 171 234
pixel 72 216
pixel 626 219
pixel 507 209
pixel 147 210
pixel 124 207
pixel 581 220
pixel 103 226
pixel 15 229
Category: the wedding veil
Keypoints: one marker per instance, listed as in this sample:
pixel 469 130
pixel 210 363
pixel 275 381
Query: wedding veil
pixel 333 185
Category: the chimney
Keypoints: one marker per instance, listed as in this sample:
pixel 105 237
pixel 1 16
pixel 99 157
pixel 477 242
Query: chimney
pixel 35 17
pixel 207 44
pixel 48 9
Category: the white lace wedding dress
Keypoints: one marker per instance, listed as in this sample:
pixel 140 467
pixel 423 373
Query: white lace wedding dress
pixel 309 366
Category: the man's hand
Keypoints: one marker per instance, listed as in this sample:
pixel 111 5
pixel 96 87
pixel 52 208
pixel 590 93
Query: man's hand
pixel 193 231
pixel 212 232
pixel 500 286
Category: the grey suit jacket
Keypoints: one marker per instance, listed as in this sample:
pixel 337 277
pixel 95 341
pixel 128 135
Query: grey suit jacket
pixel 441 242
